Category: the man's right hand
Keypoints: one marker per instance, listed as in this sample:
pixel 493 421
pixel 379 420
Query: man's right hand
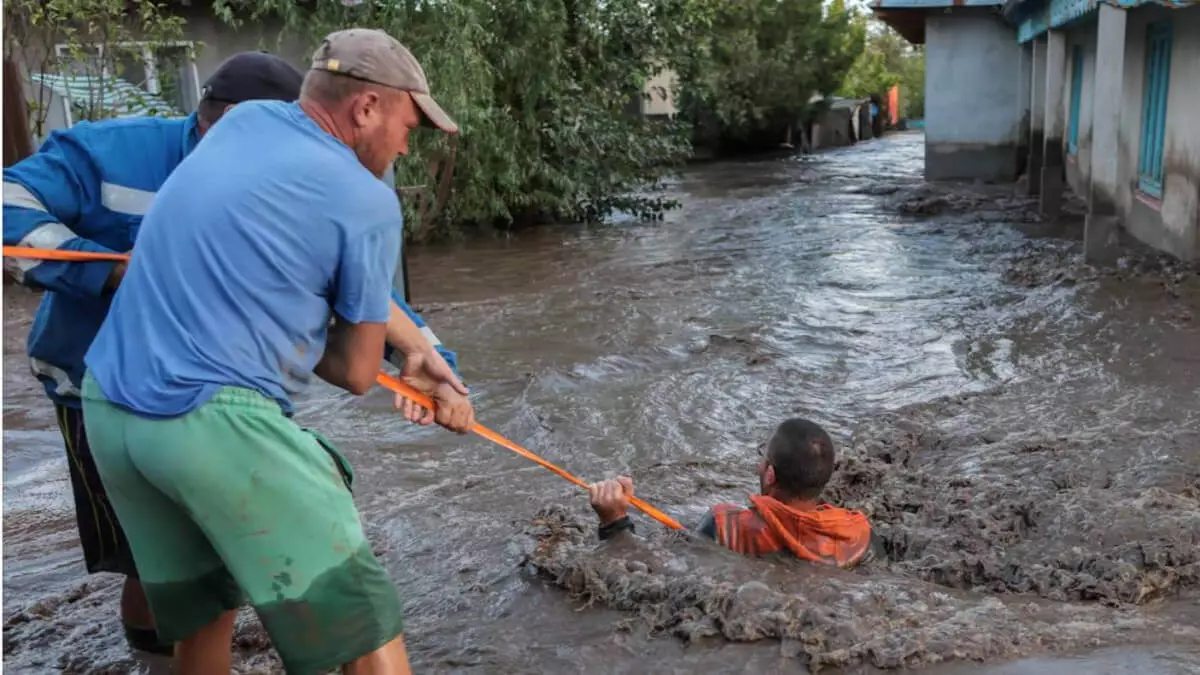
pixel 610 498
pixel 453 410
pixel 429 374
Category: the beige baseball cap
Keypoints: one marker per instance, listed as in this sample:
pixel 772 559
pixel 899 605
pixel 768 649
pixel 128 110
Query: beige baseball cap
pixel 374 56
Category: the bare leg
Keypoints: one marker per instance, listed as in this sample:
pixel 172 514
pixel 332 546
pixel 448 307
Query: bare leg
pixel 390 659
pixel 208 651
pixel 135 610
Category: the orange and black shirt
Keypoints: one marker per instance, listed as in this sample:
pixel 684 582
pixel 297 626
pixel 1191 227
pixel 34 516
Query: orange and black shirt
pixel 827 535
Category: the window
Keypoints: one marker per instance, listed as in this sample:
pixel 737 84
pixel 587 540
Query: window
pixel 1076 95
pixel 1154 108
pixel 125 79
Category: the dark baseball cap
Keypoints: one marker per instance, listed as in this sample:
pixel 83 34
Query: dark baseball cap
pixel 374 56
pixel 249 76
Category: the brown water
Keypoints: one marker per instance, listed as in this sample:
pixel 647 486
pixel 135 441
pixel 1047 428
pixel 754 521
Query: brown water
pixel 1024 433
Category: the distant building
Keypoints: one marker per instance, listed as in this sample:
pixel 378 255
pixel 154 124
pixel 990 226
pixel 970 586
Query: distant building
pixel 1101 96
pixel 845 122
pixel 659 94
pixel 160 79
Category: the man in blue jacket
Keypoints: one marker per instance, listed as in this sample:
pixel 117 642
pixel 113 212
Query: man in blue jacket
pixel 86 189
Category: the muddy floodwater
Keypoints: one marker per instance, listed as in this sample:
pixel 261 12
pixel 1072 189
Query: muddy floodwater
pixel 1022 430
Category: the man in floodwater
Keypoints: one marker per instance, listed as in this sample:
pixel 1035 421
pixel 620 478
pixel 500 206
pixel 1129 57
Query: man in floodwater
pixel 276 225
pixel 784 518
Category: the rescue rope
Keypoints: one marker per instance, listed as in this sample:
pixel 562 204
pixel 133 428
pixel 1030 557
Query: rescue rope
pixel 389 382
pixel 383 379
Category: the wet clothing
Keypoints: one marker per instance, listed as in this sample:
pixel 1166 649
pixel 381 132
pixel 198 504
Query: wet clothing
pixel 105 547
pixel 86 189
pixel 269 226
pixel 828 535
pixel 232 502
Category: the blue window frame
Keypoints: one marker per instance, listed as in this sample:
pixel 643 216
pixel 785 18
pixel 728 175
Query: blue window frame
pixel 1154 108
pixel 1076 94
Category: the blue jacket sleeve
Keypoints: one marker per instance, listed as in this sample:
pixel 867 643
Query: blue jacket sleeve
pixel 45 196
pixel 390 354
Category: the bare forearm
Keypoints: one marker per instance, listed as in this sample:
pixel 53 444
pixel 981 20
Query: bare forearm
pixel 404 335
pixel 334 366
pixel 346 364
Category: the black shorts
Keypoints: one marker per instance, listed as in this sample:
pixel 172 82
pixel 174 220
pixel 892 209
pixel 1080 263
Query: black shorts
pixel 105 548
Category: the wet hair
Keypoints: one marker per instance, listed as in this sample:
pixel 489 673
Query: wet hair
pixel 802 454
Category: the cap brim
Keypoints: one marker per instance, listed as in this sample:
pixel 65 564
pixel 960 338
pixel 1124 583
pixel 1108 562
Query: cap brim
pixel 432 114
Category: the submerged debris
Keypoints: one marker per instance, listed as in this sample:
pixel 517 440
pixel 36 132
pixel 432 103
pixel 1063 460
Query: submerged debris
pixel 1038 264
pixel 1039 524
pixel 825 618
pixel 986 203
pixel 1053 539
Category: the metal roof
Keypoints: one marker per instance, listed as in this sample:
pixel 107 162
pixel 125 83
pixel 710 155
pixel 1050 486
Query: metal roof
pixel 113 95
pixel 908 16
pixel 934 4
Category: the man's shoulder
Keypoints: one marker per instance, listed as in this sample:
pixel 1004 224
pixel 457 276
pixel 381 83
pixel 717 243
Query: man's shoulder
pixel 128 129
pixel 120 140
pixel 728 507
pixel 366 203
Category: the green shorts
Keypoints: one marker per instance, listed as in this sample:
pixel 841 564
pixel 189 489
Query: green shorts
pixel 234 501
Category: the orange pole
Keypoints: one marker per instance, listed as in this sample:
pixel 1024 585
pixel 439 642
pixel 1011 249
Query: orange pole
pixel 383 379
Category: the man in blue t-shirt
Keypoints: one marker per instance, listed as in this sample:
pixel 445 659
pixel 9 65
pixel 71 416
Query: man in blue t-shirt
pixel 272 228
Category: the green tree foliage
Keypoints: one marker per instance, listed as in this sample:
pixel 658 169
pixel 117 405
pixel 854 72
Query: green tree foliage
pixel 546 92
pixel 91 42
pixel 765 62
pixel 543 91
pixel 912 83
pixel 886 61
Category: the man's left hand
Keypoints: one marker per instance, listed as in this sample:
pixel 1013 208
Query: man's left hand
pixel 429 374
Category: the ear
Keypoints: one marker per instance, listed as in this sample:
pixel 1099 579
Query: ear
pixel 366 105
pixel 769 476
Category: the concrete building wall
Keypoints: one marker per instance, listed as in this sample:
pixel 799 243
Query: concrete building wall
pixel 1037 113
pixel 1079 163
pixel 1171 224
pixel 833 129
pixel 220 40
pixel 972 127
pixel 1024 101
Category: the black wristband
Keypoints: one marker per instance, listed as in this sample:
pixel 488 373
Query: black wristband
pixel 616 526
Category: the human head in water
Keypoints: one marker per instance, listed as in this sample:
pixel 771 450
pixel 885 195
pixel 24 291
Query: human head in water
pixel 797 462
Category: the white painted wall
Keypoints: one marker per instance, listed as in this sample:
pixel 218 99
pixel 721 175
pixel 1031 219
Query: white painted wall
pixel 220 41
pixel 1037 95
pixel 1079 164
pixel 1173 224
pixel 969 94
